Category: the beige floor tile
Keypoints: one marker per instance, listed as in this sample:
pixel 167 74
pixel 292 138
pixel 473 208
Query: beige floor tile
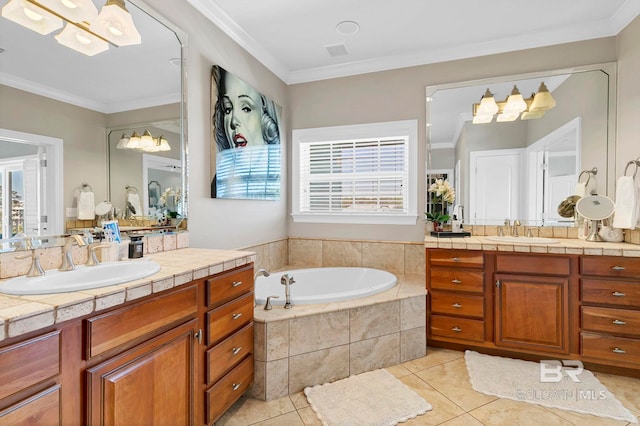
pixel 585 419
pixel 299 400
pixel 398 371
pixel 247 411
pixel 463 420
pixel 289 419
pixel 434 356
pixel 443 409
pixel 626 389
pixel 452 380
pixel 512 413
pixel 309 417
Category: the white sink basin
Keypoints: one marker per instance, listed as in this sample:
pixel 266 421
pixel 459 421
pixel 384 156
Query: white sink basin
pixel 82 278
pixel 523 240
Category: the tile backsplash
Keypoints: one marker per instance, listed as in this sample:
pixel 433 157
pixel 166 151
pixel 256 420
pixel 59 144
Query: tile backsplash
pixel 16 263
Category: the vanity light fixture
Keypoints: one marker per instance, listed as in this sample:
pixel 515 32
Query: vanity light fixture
pixel 29 15
pixel 145 143
pixel 513 107
pixel 87 31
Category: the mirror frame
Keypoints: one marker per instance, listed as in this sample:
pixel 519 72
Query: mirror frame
pixel 609 68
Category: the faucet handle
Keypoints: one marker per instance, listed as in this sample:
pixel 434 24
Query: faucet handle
pixel 500 232
pixel 93 259
pixel 36 268
pixel 507 222
pixel 267 306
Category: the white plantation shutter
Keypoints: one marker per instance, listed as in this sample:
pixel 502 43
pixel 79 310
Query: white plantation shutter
pixel 360 179
pixel 361 176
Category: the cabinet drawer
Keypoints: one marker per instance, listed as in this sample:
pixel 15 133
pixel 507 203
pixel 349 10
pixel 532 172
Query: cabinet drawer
pixel 125 325
pixel 226 355
pixel 617 349
pixel 42 409
pixel 533 264
pixel 226 287
pixel 456 279
pixel 457 304
pixel 26 363
pixel 459 258
pixel 608 266
pixel 608 320
pixel 610 292
pixel 223 394
pixel 228 318
pixel 458 328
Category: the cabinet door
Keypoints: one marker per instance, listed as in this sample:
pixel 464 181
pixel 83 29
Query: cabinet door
pixel 151 384
pixel 532 313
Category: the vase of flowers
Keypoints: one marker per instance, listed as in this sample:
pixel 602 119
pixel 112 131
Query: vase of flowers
pixel 441 194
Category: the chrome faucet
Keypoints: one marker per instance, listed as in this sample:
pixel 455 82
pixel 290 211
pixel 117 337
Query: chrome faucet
pixel 286 280
pixel 67 252
pixel 514 229
pixel 260 272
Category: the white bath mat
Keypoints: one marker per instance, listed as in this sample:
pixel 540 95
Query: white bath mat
pixel 375 398
pixel 520 380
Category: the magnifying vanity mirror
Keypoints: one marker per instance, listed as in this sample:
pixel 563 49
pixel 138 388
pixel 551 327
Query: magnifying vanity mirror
pixel 595 208
pixel 523 169
pixel 76 104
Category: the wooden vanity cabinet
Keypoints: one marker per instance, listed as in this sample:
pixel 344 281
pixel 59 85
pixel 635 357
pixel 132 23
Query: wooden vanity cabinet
pixel 29 381
pixel 228 356
pixel 456 301
pixel 178 357
pixel 532 302
pixel 610 312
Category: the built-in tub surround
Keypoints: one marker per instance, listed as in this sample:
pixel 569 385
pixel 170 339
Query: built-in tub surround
pixel 17 263
pixel 314 344
pixel 323 285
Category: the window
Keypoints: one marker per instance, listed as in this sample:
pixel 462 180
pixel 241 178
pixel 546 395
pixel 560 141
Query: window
pixel 356 174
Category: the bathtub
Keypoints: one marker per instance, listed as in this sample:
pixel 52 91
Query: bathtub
pixel 324 285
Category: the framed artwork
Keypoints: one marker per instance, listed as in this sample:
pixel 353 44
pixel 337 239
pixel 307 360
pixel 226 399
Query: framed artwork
pixel 245 140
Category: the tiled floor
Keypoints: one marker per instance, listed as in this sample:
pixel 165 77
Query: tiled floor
pixel 441 379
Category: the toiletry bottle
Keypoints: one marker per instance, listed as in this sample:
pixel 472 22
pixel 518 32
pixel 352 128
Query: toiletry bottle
pixel 136 247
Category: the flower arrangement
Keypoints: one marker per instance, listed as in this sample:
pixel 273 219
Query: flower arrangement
pixel 170 199
pixel 441 194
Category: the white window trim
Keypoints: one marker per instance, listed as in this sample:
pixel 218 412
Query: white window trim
pixel 359 131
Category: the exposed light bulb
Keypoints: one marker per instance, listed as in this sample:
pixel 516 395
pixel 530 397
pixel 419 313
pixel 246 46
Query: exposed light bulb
pixel 34 16
pixel 82 38
pixel 69 4
pixel 115 29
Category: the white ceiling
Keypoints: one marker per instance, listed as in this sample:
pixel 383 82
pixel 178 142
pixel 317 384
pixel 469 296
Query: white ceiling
pixel 289 36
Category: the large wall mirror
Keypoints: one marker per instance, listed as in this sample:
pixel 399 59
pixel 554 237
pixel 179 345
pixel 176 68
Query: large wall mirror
pixel 523 169
pixel 52 93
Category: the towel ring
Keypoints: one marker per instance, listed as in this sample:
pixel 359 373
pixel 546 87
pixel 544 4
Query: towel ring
pixel 85 187
pixel 589 173
pixel 635 172
pixel 131 189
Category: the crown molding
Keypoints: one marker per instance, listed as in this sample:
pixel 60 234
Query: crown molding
pixel 597 29
pixel 222 20
pixel 105 108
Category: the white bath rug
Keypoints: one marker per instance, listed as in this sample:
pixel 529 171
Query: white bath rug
pixel 569 388
pixel 375 398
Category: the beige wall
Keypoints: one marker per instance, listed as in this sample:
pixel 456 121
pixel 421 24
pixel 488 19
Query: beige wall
pixel 82 130
pixel 217 223
pixel 628 135
pixel 400 95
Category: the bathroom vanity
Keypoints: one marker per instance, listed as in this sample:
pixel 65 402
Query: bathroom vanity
pixel 176 348
pixel 573 300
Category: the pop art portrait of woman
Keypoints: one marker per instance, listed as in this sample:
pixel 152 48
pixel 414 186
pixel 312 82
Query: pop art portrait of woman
pixel 245 140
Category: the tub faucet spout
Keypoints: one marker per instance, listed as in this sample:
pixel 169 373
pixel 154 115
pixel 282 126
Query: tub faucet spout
pixel 286 280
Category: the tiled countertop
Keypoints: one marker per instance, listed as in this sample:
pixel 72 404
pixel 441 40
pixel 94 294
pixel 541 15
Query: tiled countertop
pixel 24 314
pixel 563 246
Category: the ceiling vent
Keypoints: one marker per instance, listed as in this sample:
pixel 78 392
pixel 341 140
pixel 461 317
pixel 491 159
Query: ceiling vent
pixel 337 49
